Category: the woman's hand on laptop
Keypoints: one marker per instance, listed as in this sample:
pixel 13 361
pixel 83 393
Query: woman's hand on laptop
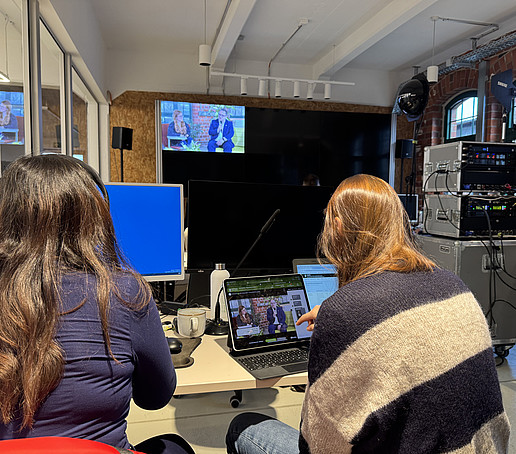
pixel 309 317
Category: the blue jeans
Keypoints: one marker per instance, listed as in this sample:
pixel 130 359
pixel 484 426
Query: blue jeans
pixel 253 433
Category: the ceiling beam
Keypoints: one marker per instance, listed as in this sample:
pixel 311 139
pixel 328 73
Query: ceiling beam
pixel 230 30
pixel 373 29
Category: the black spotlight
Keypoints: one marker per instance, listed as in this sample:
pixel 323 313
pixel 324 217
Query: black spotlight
pixel 413 97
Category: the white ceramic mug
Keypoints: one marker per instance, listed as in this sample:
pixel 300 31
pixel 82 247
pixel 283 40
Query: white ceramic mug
pixel 191 322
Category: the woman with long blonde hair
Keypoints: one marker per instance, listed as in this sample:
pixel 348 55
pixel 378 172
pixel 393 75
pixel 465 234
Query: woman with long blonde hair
pixel 180 128
pixel 400 358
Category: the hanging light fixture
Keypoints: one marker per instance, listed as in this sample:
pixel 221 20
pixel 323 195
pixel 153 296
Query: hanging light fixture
pixel 262 87
pixel 4 77
pixel 432 72
pixel 327 91
pixel 205 49
pixel 264 81
pixel 297 90
pixel 243 85
pixel 310 91
pixel 277 90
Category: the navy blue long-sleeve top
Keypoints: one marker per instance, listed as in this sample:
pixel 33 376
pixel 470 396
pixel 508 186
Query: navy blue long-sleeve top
pixel 92 399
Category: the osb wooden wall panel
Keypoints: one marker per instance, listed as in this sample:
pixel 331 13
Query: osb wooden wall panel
pixel 136 110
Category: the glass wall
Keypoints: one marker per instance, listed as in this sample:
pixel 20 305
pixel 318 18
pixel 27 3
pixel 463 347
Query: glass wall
pixel 52 99
pixel 45 105
pixel 85 112
pixel 12 137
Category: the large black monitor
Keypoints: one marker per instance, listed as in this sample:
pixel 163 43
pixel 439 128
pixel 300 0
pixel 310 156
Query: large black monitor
pixel 225 218
pixel 148 221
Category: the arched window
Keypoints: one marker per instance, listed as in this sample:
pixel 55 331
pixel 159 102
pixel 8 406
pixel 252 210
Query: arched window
pixel 510 133
pixel 461 117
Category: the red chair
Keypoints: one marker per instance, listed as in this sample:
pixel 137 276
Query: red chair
pixel 58 445
pixel 164 130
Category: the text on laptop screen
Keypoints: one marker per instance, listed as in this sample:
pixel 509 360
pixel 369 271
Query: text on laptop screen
pixel 264 310
pixel 320 281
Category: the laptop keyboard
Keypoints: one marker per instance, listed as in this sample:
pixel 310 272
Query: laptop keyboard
pixel 276 358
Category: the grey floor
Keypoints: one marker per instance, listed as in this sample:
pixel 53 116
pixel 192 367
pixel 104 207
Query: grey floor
pixel 202 419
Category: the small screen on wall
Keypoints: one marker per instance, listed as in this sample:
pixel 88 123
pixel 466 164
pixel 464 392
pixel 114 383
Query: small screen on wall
pixel 216 128
pixel 11 117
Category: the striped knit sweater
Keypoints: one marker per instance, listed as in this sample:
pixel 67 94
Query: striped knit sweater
pixel 402 363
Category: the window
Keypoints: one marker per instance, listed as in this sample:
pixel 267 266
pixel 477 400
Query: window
pixel 84 109
pixel 461 117
pixel 12 107
pixel 52 64
pixel 510 133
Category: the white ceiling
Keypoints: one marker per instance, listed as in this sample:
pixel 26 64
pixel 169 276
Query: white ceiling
pixel 368 34
pixel 373 43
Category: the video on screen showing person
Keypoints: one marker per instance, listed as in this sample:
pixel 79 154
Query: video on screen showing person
pixel 221 132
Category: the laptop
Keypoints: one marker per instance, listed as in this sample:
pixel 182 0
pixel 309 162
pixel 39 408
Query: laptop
pixel 263 335
pixel 320 279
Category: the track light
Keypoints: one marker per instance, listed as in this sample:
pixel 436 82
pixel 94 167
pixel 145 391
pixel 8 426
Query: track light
pixel 262 87
pixel 243 86
pixel 205 55
pixel 277 90
pixel 297 90
pixel 310 91
pixel 327 91
pixel 264 84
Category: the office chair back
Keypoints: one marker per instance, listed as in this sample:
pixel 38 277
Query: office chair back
pixel 58 445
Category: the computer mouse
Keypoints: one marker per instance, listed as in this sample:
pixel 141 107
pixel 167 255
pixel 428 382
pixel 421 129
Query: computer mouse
pixel 175 345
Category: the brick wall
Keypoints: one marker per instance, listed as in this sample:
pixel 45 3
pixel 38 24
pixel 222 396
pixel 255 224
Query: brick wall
pixel 431 130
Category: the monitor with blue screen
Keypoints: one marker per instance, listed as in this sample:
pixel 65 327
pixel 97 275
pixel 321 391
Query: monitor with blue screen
pixel 148 221
pixel 320 279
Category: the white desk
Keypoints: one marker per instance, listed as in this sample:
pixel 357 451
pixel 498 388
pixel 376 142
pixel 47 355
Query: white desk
pixel 215 370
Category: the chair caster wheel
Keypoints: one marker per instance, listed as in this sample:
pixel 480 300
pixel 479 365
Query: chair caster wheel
pixel 236 399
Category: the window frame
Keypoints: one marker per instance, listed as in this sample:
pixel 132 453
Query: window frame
pixel 450 105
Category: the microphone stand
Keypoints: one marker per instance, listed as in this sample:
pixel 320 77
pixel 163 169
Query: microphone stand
pixel 217 326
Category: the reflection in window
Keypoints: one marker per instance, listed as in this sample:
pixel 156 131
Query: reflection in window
pixel 462 116
pixel 52 63
pixel 12 130
pixel 84 113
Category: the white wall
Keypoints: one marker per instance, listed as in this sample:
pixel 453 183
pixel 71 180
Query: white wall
pixel 154 70
pixel 180 73
pixel 77 29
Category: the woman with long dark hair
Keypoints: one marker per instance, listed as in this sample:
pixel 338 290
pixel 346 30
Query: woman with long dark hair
pixel 400 358
pixel 80 334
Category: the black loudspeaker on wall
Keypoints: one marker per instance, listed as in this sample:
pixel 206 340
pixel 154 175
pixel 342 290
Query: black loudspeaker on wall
pixel 122 138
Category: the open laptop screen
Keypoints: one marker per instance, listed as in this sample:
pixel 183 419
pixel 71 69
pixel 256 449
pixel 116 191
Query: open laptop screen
pixel 263 310
pixel 320 279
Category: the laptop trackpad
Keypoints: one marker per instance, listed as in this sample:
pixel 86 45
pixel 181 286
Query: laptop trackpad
pixel 299 367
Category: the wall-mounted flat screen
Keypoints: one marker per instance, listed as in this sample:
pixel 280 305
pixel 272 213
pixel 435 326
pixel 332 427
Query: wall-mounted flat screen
pixel 11 117
pixel 214 128
pixel 148 221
